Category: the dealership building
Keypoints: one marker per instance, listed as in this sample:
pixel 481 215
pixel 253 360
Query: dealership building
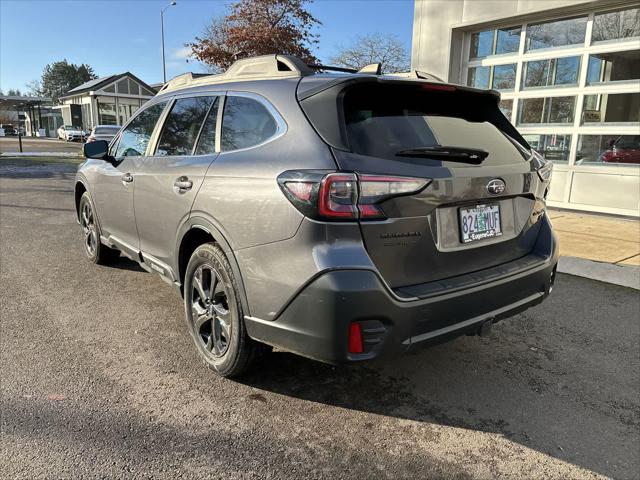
pixel 569 76
pixel 108 100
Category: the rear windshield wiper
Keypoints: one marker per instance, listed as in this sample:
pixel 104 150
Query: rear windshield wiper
pixel 452 154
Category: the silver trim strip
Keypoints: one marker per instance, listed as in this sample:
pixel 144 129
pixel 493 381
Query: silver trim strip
pixel 471 321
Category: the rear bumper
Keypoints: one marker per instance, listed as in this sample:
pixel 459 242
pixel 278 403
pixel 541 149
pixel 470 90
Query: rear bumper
pixel 315 323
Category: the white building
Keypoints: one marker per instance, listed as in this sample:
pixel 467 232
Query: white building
pixel 569 75
pixel 108 100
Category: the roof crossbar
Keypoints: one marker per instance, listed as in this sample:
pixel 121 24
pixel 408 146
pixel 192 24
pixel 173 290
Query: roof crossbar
pixel 330 68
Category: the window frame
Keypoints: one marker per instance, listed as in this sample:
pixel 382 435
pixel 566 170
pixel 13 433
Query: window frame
pixel 581 90
pixel 563 18
pixel 281 124
pixel 609 10
pixel 113 146
pixel 163 119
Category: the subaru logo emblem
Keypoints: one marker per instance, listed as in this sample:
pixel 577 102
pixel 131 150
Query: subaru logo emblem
pixel 496 186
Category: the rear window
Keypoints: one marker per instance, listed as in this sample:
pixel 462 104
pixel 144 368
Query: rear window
pixel 382 120
pixel 106 130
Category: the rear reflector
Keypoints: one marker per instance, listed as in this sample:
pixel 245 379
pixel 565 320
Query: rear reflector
pixel 355 338
pixel 300 190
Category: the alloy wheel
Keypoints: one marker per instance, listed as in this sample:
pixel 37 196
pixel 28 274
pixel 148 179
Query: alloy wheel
pixel 211 315
pixel 88 223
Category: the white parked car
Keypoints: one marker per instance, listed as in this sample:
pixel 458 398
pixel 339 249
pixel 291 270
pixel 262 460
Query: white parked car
pixel 70 133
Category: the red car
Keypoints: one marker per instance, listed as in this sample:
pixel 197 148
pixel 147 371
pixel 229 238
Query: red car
pixel 624 149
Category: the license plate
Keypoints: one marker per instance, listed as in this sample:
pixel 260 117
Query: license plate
pixel 480 222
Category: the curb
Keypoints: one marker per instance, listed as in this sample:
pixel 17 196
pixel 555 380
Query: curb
pixel 622 275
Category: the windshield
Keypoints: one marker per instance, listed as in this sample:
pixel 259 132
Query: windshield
pixel 627 141
pixel 69 127
pixel 387 120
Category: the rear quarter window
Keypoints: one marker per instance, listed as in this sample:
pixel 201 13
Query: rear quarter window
pixel 246 123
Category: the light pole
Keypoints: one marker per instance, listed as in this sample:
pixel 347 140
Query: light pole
pixel 164 69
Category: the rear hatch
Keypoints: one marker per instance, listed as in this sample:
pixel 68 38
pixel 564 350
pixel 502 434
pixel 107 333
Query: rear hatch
pixel 479 208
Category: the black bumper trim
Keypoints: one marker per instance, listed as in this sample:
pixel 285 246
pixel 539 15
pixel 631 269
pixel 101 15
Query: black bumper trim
pixel 495 315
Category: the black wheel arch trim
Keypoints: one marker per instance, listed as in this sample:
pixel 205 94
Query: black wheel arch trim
pixel 208 227
pixel 85 184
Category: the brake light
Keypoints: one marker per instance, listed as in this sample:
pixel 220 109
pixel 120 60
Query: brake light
pixel 345 196
pixel 338 196
pixel 436 86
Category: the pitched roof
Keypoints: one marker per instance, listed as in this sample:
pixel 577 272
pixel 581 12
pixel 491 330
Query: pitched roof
pixel 102 81
pixel 90 84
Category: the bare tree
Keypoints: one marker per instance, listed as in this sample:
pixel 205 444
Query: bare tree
pixel 386 49
pixel 34 88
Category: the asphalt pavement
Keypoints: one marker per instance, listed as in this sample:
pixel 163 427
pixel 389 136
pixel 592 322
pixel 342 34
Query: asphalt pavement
pixel 37 145
pixel 99 379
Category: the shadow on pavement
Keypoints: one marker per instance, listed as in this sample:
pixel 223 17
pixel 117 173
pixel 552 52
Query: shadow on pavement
pixel 535 381
pixel 123 263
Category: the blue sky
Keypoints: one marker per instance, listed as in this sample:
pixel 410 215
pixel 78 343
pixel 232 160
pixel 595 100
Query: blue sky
pixel 124 35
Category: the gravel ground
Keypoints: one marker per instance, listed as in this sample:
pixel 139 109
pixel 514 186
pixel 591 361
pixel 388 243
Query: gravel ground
pixel 99 379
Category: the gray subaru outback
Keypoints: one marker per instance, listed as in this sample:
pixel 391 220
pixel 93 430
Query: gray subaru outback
pixel 340 216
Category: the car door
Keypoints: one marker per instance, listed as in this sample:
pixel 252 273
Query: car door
pixel 114 187
pixel 167 182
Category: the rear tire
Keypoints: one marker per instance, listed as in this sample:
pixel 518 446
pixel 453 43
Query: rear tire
pixel 214 313
pixel 95 250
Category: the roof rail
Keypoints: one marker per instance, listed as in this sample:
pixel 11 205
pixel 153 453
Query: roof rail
pixel 254 68
pixel 274 66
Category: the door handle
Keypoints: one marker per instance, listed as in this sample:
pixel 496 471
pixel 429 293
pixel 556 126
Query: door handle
pixel 183 184
pixel 127 178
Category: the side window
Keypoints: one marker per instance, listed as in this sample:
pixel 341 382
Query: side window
pixel 246 122
pixel 135 138
pixel 207 140
pixel 182 126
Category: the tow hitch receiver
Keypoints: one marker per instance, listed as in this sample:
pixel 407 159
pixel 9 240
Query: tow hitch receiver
pixel 485 329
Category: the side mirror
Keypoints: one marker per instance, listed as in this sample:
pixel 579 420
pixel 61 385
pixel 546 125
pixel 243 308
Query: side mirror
pixel 98 150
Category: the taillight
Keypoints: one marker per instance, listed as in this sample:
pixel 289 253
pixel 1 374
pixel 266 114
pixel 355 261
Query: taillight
pixel 345 196
pixel 375 189
pixel 338 196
